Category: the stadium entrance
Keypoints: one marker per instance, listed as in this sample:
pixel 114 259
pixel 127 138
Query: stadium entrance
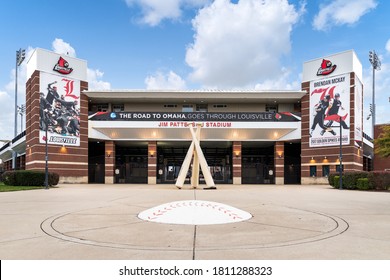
pixel 258 163
pixel 131 162
pixel 171 156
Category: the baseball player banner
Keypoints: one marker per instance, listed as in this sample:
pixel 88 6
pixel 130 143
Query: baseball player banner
pixel 329 108
pixel 59 110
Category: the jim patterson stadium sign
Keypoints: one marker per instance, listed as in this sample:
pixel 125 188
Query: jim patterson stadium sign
pixel 196 116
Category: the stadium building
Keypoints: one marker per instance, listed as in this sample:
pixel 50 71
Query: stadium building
pixel 142 136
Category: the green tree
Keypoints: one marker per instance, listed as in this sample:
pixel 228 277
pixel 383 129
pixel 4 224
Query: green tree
pixel 382 143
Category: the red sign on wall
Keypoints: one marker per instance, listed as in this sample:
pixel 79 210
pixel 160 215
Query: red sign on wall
pixel 326 68
pixel 62 67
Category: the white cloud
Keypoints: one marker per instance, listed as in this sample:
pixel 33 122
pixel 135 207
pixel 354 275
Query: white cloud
pixel 236 45
pixel 94 76
pixel 154 11
pixel 165 81
pixel 388 46
pixel 61 47
pixel 282 82
pixel 340 12
pixel 94 80
pixel 6 116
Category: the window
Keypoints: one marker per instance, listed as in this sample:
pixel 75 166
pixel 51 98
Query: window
pixel 187 108
pixel 102 108
pixel 118 107
pixel 201 107
pixel 170 105
pixel 219 105
pixel 325 170
pixel 297 107
pixel 99 107
pixel 313 171
pixel 272 108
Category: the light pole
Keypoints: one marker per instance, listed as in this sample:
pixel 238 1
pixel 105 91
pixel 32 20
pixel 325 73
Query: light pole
pixel 341 157
pixel 46 157
pixel 376 65
pixel 21 111
pixel 20 56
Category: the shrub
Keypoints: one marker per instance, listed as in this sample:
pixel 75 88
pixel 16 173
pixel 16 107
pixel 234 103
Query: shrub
pixel 29 178
pixel 336 181
pixel 362 184
pixel 331 179
pixel 350 178
pixel 379 180
pixel 54 178
pixel 9 178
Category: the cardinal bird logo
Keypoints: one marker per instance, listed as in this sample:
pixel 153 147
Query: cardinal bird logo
pixel 326 68
pixel 62 67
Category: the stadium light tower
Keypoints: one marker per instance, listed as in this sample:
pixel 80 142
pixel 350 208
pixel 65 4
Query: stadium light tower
pixel 20 56
pixel 21 111
pixel 376 65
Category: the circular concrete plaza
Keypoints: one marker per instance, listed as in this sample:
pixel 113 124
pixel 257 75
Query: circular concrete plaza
pixel 162 222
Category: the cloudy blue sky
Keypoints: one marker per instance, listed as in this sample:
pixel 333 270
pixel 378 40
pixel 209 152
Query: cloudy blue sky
pixel 194 44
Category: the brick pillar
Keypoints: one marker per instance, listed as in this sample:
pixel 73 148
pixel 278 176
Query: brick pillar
pixel 152 162
pixel 23 162
pixel 279 163
pixel 70 162
pixel 237 167
pixel 32 122
pixel 317 157
pixel 109 157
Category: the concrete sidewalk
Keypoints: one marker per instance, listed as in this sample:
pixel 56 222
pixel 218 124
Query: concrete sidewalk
pixel 100 222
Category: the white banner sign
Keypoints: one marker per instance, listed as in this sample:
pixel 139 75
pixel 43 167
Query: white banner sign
pixel 59 110
pixel 329 108
pixel 204 125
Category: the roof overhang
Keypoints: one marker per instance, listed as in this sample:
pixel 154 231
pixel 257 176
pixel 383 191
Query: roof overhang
pixel 194 96
pixel 19 146
pixel 150 131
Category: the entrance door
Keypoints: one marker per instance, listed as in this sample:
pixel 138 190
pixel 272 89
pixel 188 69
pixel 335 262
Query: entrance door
pixel 257 162
pixel 171 157
pixel 131 164
pixel 171 172
pixel 96 164
pixel 256 171
pixel 292 163
pixel 134 169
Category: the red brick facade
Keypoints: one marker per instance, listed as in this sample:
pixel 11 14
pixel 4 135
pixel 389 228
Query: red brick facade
pixel 237 165
pixel 352 156
pixel 279 162
pixel 152 162
pixel 109 160
pixel 70 162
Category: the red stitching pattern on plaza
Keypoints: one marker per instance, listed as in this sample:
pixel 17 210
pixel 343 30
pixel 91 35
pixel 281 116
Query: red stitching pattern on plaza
pixel 161 212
